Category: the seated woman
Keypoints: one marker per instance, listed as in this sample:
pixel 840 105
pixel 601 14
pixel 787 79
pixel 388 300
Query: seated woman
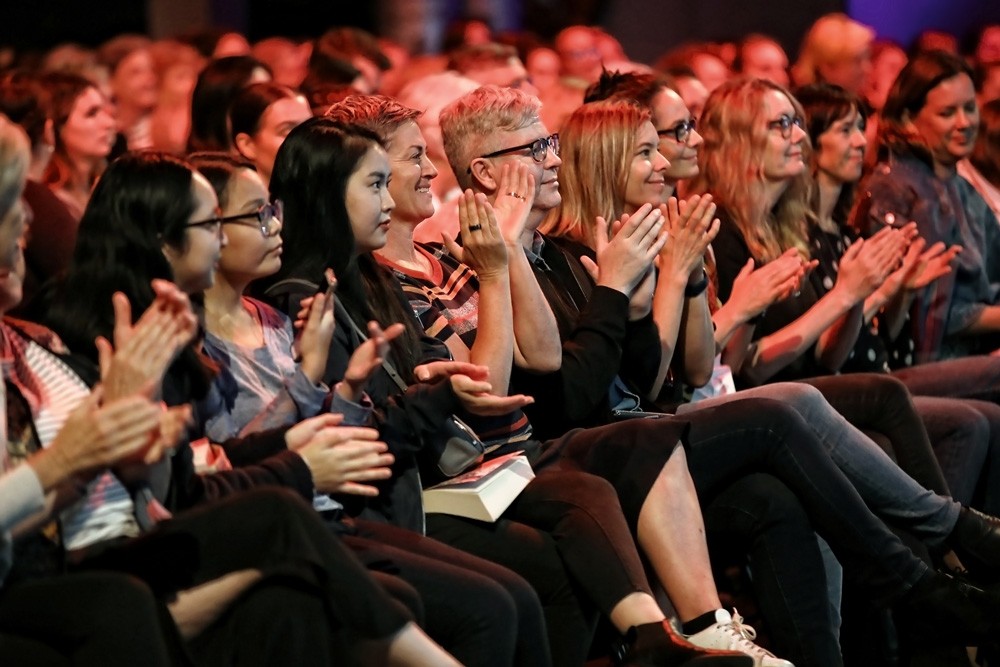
pixel 339 227
pixel 84 128
pixel 263 386
pixel 209 560
pixel 928 125
pixel 260 117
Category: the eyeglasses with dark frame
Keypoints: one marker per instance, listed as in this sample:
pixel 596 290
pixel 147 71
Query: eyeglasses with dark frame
pixel 539 148
pixel 784 124
pixel 261 218
pixel 680 132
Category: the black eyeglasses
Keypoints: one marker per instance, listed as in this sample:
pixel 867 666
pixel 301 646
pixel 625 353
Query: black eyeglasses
pixel 538 148
pixel 785 123
pixel 261 218
pixel 680 132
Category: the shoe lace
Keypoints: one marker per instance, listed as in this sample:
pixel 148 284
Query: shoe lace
pixel 746 636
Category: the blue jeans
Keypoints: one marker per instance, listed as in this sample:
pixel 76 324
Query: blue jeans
pixel 758 518
pixel 888 491
pixel 728 440
pixel 975 380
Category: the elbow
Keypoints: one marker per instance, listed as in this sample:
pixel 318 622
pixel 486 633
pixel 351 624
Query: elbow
pixel 539 362
pixel 548 363
pixel 699 377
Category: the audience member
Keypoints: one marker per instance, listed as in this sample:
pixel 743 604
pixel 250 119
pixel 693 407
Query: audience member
pixel 133 86
pixel 837 50
pixel 218 83
pixel 761 57
pixel 928 126
pixel 177 66
pixel 83 126
pixel 260 117
pixel 579 54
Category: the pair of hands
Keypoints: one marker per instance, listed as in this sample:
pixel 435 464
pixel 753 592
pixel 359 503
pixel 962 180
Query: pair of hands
pixel 893 259
pixel 755 289
pixel 673 236
pixel 120 424
pixel 489 230
pixel 347 459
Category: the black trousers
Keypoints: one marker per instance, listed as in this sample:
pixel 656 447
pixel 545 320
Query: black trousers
pixel 87 619
pixel 567 536
pixel 304 565
pixel 482 613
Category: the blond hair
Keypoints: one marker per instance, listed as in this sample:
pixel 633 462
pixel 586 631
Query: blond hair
pixel 596 145
pixel 832 38
pixel 470 125
pixel 735 132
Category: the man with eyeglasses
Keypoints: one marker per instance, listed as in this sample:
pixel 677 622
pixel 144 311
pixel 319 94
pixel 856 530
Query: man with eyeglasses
pixel 481 130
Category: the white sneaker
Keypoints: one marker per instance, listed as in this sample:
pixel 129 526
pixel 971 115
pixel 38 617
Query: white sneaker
pixel 729 633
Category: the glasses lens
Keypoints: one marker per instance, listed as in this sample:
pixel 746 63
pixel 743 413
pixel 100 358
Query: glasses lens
pixel 538 148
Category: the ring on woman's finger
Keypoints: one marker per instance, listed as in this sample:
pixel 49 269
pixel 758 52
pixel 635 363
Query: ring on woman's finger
pixel 515 194
pixel 475 228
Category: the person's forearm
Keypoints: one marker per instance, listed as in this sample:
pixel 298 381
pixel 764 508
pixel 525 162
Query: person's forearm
pixel 772 353
pixel 894 315
pixel 494 346
pixel 735 348
pixel 696 344
pixel 988 321
pixel 835 344
pixel 668 303
pixel 534 323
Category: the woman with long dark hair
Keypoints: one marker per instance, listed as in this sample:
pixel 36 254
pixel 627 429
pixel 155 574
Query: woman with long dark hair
pixel 260 117
pixel 218 83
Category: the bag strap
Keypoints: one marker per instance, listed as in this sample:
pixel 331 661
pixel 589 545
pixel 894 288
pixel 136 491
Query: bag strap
pixel 386 364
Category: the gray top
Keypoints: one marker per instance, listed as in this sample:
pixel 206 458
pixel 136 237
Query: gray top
pixel 260 387
pixel 20 498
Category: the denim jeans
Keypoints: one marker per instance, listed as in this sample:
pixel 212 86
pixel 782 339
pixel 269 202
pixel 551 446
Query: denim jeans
pixel 976 380
pixel 964 433
pixel 963 377
pixel 888 491
pixel 758 518
pixel 728 440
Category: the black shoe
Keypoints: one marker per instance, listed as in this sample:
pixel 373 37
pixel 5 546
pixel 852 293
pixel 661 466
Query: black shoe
pixel 657 645
pixel 976 540
pixel 940 610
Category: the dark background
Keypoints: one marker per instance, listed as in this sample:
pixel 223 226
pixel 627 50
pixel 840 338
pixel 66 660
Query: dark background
pixel 646 27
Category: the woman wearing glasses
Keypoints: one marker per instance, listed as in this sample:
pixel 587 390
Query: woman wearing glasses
pixel 263 384
pixel 248 338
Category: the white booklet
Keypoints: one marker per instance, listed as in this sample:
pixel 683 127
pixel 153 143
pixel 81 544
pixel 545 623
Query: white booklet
pixel 482 493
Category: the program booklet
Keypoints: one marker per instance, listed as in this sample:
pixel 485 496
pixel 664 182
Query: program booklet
pixel 482 493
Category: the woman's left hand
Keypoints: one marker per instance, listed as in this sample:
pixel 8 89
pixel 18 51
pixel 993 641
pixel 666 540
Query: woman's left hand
pixel 691 226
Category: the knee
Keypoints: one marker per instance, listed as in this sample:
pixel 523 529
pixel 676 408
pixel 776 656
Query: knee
pixel 892 390
pixel 115 600
pixel 576 488
pixel 402 593
pixel 798 394
pixel 759 508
